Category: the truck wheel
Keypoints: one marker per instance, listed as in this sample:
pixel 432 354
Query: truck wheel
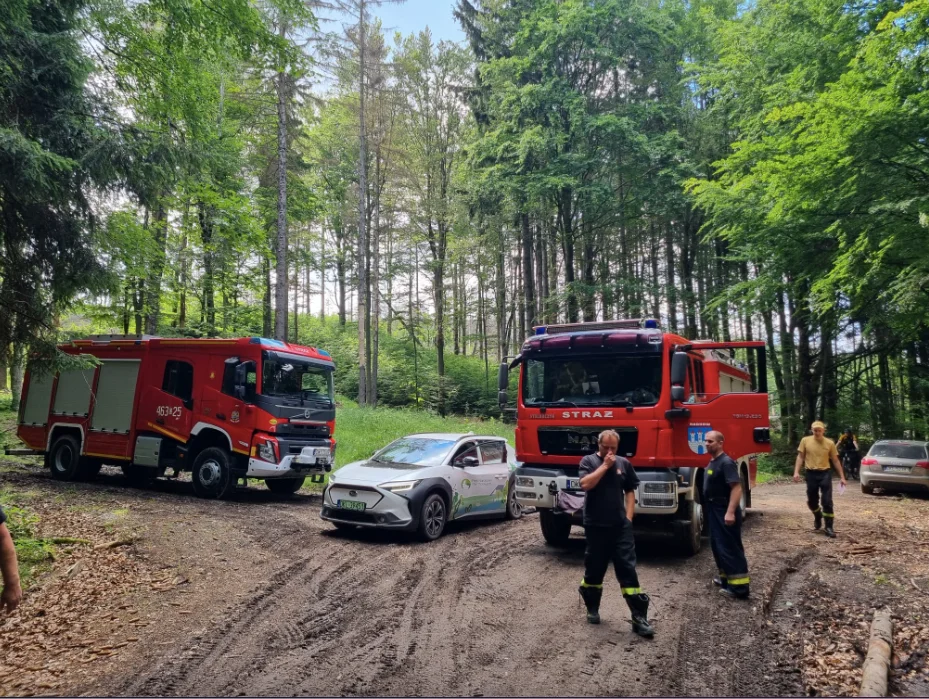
pixel 513 509
pixel 555 528
pixel 690 531
pixel 743 501
pixel 65 459
pixel 284 486
pixel 212 474
pixel 432 518
pixel 139 476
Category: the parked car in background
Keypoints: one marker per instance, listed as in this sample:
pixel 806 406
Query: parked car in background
pixel 895 464
pixel 422 481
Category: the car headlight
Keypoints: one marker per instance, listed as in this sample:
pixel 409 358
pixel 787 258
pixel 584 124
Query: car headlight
pixel 525 482
pixel 399 486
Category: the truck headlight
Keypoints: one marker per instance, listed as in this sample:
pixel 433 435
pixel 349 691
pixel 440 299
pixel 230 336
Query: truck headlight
pixel 399 486
pixel 666 487
pixel 523 481
pixel 266 452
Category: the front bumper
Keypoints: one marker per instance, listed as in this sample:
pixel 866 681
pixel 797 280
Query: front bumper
pixel 383 508
pixel 895 481
pixel 259 468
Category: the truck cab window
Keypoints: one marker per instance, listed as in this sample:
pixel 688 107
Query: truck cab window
pixel 179 380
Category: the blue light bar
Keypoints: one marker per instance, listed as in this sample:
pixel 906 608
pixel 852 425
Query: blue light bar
pixel 323 352
pixel 540 330
pixel 651 324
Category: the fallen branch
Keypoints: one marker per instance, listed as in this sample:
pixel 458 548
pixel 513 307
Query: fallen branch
pixel 913 582
pixel 61 540
pixel 114 544
pixel 877 664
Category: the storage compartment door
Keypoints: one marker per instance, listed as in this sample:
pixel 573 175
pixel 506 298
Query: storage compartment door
pixel 73 394
pixel 38 399
pixel 115 396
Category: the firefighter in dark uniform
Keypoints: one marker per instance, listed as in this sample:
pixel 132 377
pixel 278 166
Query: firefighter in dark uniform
pixel 722 493
pixel 609 483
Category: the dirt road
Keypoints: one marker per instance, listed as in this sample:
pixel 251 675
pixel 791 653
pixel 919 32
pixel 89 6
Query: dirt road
pixel 260 597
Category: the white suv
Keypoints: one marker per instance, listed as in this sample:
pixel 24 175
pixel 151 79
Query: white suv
pixel 421 481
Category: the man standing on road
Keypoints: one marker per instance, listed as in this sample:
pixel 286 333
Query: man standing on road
pixel 722 495
pixel 9 569
pixel 609 483
pixel 815 452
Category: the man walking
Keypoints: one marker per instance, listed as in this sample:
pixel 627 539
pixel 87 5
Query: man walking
pixel 9 569
pixel 609 483
pixel 722 495
pixel 815 452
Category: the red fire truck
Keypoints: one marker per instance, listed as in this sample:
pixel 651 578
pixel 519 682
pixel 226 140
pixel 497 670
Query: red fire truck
pixel 224 410
pixel 661 392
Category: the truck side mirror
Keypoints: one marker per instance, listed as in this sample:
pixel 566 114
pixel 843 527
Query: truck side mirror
pixel 677 394
pixel 503 382
pixel 241 380
pixel 679 363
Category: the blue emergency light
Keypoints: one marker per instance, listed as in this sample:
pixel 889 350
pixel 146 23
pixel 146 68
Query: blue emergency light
pixel 540 330
pixel 651 324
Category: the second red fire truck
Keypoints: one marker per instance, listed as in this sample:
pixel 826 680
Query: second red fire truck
pixel 224 410
pixel 661 392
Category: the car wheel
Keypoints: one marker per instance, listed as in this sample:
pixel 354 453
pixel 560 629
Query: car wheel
pixel 556 529
pixel 65 459
pixel 432 518
pixel 284 486
pixel 867 489
pixel 212 474
pixel 513 509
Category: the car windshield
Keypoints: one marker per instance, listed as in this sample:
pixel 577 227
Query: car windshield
pixel 899 451
pixel 415 451
pixel 593 380
pixel 284 376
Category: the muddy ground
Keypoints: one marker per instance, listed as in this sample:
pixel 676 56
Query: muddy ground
pixel 171 595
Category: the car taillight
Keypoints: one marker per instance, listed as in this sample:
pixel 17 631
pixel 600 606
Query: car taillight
pixel 868 462
pixel 922 464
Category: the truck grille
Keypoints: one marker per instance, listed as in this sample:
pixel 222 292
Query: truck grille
pixel 658 494
pixel 580 441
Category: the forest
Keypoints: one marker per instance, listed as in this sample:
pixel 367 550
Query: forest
pixel 292 169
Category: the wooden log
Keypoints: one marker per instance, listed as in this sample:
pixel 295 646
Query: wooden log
pixel 877 663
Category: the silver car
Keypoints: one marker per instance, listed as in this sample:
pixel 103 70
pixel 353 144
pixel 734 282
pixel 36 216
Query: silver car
pixel 895 464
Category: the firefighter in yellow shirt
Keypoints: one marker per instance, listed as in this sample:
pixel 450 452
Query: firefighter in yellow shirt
pixel 815 453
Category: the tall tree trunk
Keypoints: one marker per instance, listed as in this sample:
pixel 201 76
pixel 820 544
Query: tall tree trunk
pixel 669 277
pixel 267 325
pixel 17 362
pixel 532 315
pixel 362 217
pixel 160 235
pixel 500 296
pixel 205 216
pixel 280 293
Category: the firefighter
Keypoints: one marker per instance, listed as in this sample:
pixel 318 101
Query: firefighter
pixel 722 493
pixel 815 452
pixel 609 483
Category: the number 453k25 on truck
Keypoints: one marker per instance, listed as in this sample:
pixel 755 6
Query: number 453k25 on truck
pixel 224 410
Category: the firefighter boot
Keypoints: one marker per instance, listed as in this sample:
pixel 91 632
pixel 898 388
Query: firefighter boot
pixel 638 605
pixel 817 519
pixel 591 596
pixel 830 522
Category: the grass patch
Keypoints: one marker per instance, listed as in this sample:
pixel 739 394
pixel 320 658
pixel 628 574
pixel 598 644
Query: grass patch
pixel 35 555
pixel 362 431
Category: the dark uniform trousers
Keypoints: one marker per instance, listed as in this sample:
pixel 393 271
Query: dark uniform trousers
pixel 726 542
pixel 816 482
pixel 611 543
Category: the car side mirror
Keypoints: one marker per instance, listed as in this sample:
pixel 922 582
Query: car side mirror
pixel 470 461
pixel 241 380
pixel 503 377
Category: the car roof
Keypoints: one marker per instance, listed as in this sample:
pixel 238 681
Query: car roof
pixel 454 436
pixel 907 442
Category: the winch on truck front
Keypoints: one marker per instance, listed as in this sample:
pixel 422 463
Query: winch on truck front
pixel 660 392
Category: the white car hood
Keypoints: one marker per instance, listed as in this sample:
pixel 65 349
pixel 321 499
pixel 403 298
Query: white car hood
pixel 367 472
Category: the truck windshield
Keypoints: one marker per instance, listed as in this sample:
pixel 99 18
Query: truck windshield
pixel 593 380
pixel 292 378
